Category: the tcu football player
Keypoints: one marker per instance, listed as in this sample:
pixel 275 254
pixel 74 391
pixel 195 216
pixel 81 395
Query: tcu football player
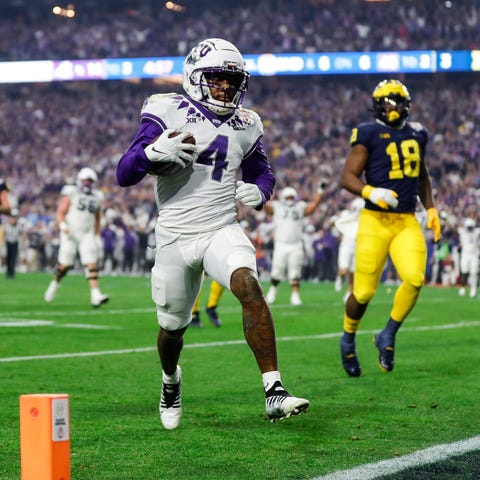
pixel 197 228
pixel 469 236
pixel 288 251
pixel 390 152
pixel 78 219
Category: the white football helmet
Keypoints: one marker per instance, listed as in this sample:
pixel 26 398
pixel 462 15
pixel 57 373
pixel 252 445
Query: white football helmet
pixel 286 195
pixel 86 174
pixel 469 223
pixel 218 58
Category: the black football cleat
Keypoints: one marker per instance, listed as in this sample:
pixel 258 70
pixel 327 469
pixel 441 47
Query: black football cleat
pixel 386 351
pixel 349 359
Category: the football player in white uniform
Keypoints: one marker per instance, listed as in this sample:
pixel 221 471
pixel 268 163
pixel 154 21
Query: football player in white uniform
pixel 197 229
pixel 78 219
pixel 469 236
pixel 347 225
pixel 288 252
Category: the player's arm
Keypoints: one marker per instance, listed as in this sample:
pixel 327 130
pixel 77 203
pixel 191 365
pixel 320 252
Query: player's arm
pixel 62 211
pixel 96 226
pixel 312 206
pixel 134 164
pixel 258 179
pixel 355 164
pixel 5 206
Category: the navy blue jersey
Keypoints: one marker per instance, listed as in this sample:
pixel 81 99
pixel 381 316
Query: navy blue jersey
pixel 394 159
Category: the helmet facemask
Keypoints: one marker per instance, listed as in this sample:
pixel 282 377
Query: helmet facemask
pixel 391 102
pixel 214 75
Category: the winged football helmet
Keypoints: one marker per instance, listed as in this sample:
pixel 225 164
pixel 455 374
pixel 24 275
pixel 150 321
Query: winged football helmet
pixel 391 102
pixel 83 176
pixel 219 59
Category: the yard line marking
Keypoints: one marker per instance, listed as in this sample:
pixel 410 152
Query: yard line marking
pixel 229 342
pixel 18 322
pixel 427 456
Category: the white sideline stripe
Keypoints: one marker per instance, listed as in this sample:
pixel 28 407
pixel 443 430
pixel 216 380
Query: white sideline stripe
pixel 429 455
pixel 230 342
pixel 14 322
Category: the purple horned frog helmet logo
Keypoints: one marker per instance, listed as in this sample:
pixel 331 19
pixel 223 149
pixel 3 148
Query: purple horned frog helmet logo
pixel 199 52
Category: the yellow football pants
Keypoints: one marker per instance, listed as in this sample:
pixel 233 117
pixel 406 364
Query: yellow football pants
pixel 400 235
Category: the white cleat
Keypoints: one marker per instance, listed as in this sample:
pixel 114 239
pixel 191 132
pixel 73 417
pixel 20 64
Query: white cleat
pixel 279 404
pixel 98 299
pixel 295 299
pixel 51 291
pixel 171 403
pixel 461 291
pixel 271 295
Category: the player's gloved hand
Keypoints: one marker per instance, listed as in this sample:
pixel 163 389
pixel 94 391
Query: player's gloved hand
pixel 383 197
pixel 63 227
pixel 322 185
pixel 248 193
pixel 433 222
pixel 171 149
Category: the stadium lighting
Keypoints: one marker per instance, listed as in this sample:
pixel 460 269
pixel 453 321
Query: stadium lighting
pixel 174 7
pixel 68 12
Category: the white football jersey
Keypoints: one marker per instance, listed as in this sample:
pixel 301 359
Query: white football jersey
pixel 80 217
pixel 201 197
pixel 469 240
pixel 288 221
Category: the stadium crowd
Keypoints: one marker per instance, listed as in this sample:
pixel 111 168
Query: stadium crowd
pixel 56 129
pixel 132 29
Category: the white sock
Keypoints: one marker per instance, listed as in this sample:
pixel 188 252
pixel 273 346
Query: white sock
pixel 269 378
pixel 171 379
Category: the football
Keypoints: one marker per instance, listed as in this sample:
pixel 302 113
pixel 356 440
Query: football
pixel 165 169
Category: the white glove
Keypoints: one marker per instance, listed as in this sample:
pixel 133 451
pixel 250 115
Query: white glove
pixel 63 227
pixel 383 197
pixel 171 149
pixel 322 185
pixel 248 193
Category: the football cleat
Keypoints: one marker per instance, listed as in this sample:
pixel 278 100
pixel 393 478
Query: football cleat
pixel 349 359
pixel 171 403
pixel 213 316
pixel 195 322
pixel 279 404
pixel 295 299
pixel 385 353
pixel 271 295
pixel 98 299
pixel 51 291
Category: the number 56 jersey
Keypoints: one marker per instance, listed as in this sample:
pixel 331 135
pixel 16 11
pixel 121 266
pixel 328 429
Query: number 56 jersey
pixel 394 159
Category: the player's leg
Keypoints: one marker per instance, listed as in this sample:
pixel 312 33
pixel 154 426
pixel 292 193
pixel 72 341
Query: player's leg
pixel 371 251
pixel 294 268
pixel 88 252
pixel 66 257
pixel 235 267
pixel 408 252
pixel 196 321
pixel 279 266
pixel 176 282
pixel 215 293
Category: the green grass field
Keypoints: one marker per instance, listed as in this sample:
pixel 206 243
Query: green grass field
pixel 112 375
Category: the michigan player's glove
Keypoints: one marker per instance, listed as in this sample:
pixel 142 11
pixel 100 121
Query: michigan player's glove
pixel 170 147
pixel 433 222
pixel 248 193
pixel 383 197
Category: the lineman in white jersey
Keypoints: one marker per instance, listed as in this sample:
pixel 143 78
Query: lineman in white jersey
pixel 288 253
pixel 469 236
pixel 197 229
pixel 78 219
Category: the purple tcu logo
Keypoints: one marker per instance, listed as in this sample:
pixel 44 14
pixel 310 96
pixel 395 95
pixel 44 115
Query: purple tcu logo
pixel 199 52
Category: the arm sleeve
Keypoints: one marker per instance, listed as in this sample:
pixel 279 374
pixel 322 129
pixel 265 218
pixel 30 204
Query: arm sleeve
pixel 134 165
pixel 257 170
